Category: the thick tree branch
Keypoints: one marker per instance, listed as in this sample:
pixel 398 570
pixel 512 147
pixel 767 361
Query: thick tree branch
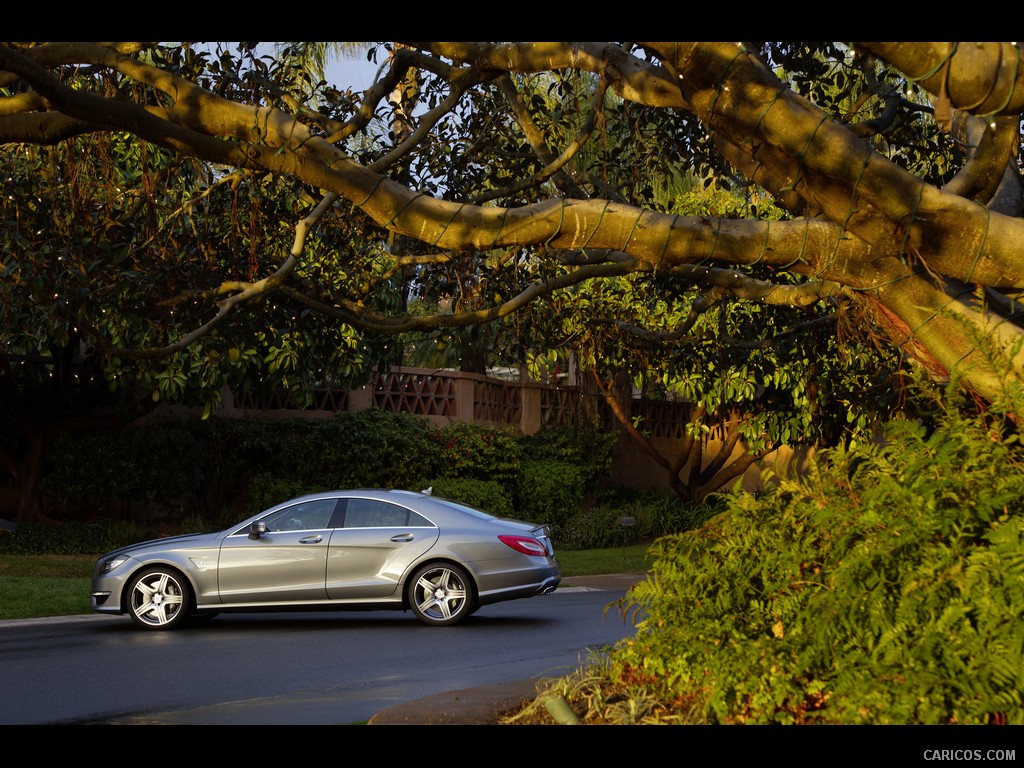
pixel 981 78
pixel 882 232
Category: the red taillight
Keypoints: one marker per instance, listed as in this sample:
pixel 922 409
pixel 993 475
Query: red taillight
pixel 525 544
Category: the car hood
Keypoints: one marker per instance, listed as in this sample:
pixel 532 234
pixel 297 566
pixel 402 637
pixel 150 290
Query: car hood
pixel 168 542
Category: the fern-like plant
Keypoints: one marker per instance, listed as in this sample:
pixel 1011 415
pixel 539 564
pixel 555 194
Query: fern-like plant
pixel 885 586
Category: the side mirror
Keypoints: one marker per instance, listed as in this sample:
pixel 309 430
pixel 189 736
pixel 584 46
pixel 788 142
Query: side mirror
pixel 257 529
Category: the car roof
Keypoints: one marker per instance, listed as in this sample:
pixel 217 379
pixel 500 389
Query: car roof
pixel 418 499
pixel 372 493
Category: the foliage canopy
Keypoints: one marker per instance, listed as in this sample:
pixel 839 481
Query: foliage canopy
pixel 526 169
pixel 769 227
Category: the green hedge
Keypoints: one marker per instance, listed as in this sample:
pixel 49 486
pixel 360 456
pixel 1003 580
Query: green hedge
pixel 550 491
pixel 163 463
pixel 487 495
pixel 69 538
pixel 212 472
pixel 481 453
pixel 654 513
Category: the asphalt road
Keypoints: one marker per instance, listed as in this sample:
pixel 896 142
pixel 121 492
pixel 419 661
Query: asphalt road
pixel 287 669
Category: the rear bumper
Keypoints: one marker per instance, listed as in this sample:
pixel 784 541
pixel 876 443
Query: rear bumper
pixel 512 586
pixel 549 586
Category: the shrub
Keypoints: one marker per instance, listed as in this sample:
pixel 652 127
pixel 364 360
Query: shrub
pixel 239 448
pixel 487 495
pixel 591 449
pixel 591 529
pixel 375 448
pixel 659 512
pixel 69 538
pixel 371 448
pixel 550 491
pixel 482 453
pixel 270 462
pixel 266 491
pixel 223 469
pixel 162 463
pixel 884 587
pixel 655 513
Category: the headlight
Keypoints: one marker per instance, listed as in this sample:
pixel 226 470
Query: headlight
pixel 114 562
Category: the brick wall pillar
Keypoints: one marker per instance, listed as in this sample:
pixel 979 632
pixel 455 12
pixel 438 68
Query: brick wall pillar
pixel 465 398
pixel 530 418
pixel 360 399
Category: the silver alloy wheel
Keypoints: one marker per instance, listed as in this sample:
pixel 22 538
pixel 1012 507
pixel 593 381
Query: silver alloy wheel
pixel 159 600
pixel 441 594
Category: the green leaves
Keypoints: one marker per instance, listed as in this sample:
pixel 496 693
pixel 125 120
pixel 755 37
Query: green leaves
pixel 884 586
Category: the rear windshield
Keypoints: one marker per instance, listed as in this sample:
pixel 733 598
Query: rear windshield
pixel 478 513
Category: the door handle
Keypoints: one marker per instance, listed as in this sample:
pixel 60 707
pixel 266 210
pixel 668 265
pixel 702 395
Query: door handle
pixel 403 537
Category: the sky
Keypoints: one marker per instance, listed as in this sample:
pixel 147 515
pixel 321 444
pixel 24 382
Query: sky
pixel 342 71
pixel 355 73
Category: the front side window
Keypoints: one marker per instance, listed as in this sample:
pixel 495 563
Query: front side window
pixel 310 515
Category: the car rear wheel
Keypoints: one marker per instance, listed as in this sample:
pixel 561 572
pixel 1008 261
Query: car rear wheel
pixel 441 594
pixel 159 598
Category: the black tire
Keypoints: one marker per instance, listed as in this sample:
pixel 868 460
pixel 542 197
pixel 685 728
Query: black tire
pixel 159 598
pixel 441 594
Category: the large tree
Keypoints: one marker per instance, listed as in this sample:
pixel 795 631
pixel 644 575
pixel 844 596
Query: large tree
pixel 531 174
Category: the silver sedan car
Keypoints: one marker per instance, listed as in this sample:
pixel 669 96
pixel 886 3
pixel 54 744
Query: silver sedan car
pixel 359 549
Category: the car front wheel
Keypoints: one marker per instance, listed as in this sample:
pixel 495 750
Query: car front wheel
pixel 441 594
pixel 159 598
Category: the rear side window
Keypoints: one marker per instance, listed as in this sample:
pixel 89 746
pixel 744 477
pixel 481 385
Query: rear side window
pixel 370 513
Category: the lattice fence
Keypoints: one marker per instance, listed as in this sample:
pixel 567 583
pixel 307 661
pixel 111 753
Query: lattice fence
pixel 415 393
pixel 497 403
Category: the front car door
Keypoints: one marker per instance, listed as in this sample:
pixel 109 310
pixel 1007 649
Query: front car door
pixel 287 563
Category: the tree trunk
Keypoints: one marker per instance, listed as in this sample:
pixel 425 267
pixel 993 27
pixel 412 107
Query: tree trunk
pixel 30 500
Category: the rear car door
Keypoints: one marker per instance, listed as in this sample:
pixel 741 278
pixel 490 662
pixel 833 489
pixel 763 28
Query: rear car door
pixel 372 547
